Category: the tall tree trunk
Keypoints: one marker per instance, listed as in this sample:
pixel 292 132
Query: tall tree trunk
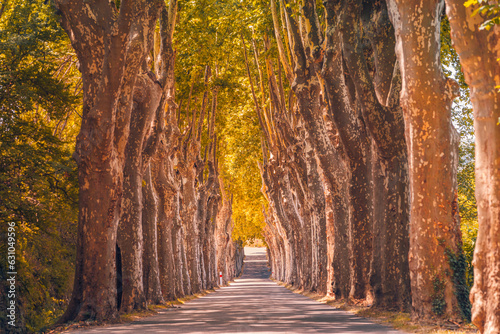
pixel 89 302
pixel 211 224
pixel 307 88
pixel 330 236
pixel 343 110
pixel 389 273
pixel 318 208
pixel 426 98
pixel 146 101
pixel 223 221
pixel 200 220
pixel 190 165
pixel 479 58
pixel 179 263
pixel 168 190
pixel 188 213
pixel 273 191
pixel 210 262
pixel 186 278
pixel 152 287
pixel 378 97
pixel 105 44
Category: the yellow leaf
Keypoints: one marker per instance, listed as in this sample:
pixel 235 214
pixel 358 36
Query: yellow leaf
pixel 469 3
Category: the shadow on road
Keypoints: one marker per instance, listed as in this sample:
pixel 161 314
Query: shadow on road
pixel 251 304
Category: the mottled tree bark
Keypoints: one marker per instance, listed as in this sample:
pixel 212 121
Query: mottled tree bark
pixel 426 98
pixel 182 286
pixel 186 278
pixel 104 39
pixel 478 51
pixel 378 97
pixel 317 205
pixel 355 140
pixel 223 222
pixel 273 190
pixel 204 213
pixel 211 223
pixel 147 96
pixel 168 213
pixel 151 270
pixel 209 247
pixel 190 165
pixel 352 134
pixel 188 212
pixel 307 88
pixel 276 245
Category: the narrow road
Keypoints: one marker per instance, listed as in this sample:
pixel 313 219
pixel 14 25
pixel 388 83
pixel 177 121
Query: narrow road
pixel 252 304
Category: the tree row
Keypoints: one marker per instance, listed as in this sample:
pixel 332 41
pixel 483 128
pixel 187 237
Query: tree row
pixel 154 219
pixel 360 155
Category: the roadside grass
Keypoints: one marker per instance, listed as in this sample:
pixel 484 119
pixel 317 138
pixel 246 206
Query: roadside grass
pixel 398 320
pixel 154 309
pixel 128 317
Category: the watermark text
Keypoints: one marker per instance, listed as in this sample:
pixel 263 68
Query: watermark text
pixel 11 274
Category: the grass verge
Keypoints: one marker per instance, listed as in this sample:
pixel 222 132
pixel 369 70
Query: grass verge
pixel 128 317
pixel 398 320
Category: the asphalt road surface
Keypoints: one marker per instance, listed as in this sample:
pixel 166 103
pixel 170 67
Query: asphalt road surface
pixel 251 304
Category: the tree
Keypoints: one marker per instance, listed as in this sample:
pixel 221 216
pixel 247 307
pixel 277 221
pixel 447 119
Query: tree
pixel 377 96
pixel 151 93
pixel 356 113
pixel 426 98
pixel 208 33
pixel 475 47
pixel 110 44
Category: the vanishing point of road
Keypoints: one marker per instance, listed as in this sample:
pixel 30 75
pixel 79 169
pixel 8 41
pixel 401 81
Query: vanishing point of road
pixel 251 304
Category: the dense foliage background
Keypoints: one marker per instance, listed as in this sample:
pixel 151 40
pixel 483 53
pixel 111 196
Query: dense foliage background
pixel 39 102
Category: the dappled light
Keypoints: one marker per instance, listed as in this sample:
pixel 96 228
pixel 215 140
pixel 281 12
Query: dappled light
pixel 252 303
